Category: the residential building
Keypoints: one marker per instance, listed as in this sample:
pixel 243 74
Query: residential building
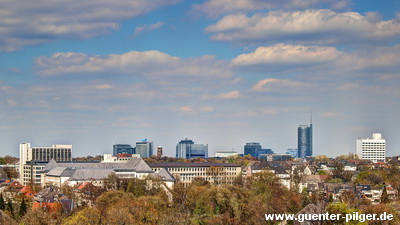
pixel 144 148
pixel 305 141
pixel 188 149
pixel 123 149
pixel 32 157
pixel 372 149
pixel 275 157
pixel 293 152
pixel 217 173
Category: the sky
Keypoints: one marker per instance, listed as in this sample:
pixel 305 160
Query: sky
pixel 94 73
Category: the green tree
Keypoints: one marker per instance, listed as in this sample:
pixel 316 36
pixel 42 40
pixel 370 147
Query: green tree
pixel 385 197
pixel 2 203
pixel 10 207
pixel 22 208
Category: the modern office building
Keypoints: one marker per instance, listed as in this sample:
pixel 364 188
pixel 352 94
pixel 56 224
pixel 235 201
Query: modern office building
pixel 123 149
pixel 293 152
pixel 144 148
pixel 305 141
pixel 31 159
pixel 252 149
pixel 255 149
pixel 373 149
pixel 188 149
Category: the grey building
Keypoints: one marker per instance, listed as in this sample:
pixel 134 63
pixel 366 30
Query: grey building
pixel 305 141
pixel 255 149
pixel 188 149
pixel 144 148
pixel 123 149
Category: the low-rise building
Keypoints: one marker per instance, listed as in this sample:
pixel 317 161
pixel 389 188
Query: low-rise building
pixel 217 173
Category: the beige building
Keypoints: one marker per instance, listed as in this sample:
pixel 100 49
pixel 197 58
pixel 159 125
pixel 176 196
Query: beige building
pixel 217 173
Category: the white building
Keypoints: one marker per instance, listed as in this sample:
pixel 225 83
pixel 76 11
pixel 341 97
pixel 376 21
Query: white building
pixel 225 154
pixel 108 158
pixel 31 160
pixel 372 149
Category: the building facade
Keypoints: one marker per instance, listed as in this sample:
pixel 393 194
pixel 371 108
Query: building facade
pixel 305 141
pixel 29 157
pixel 216 173
pixel 159 151
pixel 372 149
pixel 144 148
pixel 254 149
pixel 188 149
pixel 293 152
pixel 123 149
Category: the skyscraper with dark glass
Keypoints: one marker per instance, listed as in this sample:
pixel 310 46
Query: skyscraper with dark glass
pixel 123 149
pixel 304 140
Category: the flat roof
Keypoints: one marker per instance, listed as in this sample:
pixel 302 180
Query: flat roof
pixel 182 164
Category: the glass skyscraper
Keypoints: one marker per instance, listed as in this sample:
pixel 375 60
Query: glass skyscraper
pixel 304 140
pixel 188 149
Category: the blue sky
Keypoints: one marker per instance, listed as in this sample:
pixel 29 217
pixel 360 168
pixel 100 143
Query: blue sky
pixel 94 73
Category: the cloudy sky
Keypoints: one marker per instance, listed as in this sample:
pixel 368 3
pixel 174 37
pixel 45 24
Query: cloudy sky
pixel 93 73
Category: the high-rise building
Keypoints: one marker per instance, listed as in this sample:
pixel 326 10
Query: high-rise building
pixel 123 149
pixel 305 141
pixel 188 149
pixel 33 159
pixel 144 148
pixel 373 149
pixel 252 148
pixel 159 151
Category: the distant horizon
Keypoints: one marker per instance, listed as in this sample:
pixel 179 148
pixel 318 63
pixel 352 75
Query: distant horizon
pixel 221 72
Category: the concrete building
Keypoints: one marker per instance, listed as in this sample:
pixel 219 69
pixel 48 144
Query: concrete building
pixel 217 173
pixel 372 149
pixel 32 159
pixel 188 149
pixel 159 151
pixel 144 148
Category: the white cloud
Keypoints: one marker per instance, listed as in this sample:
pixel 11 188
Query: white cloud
pixel 217 7
pixel 41 21
pixel 310 26
pixel 329 114
pixel 227 95
pixel 186 109
pixel 152 64
pixel 281 85
pixel 287 54
pixel 207 109
pixel 145 28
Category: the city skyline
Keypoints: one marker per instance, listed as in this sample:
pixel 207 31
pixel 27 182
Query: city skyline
pixel 223 73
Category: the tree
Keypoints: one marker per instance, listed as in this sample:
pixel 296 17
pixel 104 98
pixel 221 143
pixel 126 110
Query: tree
pixel 10 207
pixel 86 216
pixel 2 203
pixel 22 208
pixel 385 197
